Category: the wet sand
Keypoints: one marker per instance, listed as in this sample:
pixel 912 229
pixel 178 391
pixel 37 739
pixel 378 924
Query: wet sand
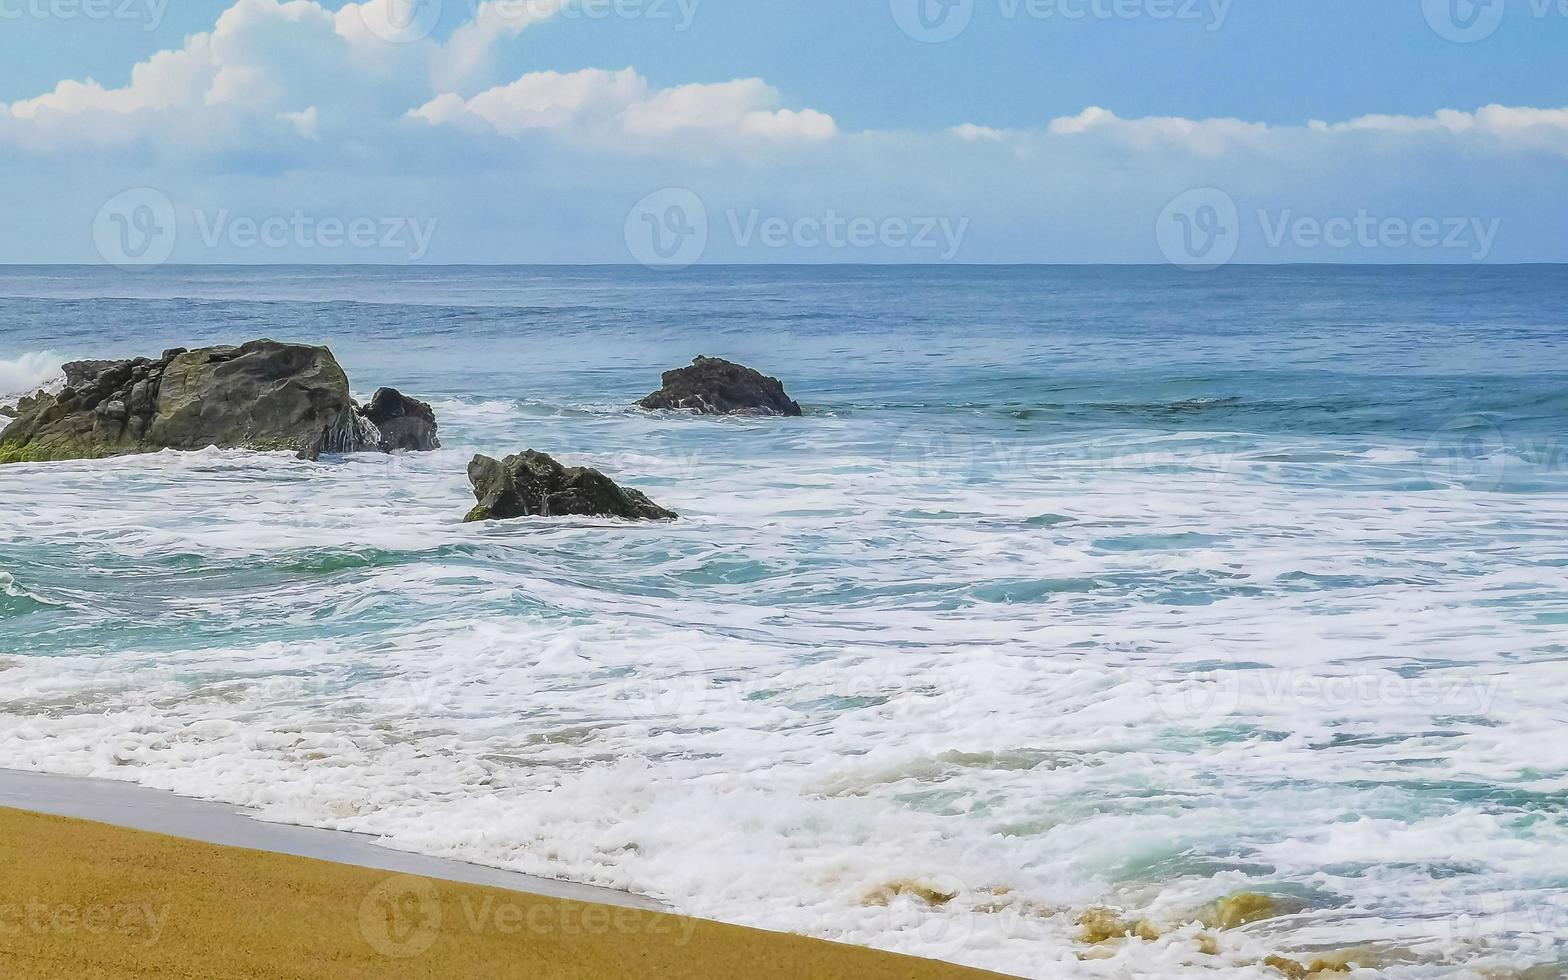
pixel 139 808
pixel 85 898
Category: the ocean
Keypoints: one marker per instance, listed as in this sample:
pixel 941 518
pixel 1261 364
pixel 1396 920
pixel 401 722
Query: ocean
pixel 1076 587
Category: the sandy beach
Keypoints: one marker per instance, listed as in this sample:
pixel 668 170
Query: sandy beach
pixel 85 898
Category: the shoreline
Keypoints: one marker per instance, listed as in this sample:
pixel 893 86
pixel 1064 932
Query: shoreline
pixel 83 898
pixel 131 806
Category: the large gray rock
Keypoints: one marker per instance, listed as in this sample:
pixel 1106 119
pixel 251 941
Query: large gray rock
pixel 534 485
pixel 261 395
pixel 79 373
pixel 714 386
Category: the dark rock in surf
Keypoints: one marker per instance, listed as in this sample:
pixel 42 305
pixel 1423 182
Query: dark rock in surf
pixel 714 386
pixel 78 374
pixel 404 423
pixel 261 395
pixel 534 485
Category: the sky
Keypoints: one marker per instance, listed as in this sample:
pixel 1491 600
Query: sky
pixel 671 132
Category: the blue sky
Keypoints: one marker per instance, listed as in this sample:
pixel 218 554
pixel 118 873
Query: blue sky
pixel 1046 130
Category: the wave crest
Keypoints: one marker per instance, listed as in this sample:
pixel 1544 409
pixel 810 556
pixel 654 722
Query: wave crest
pixel 26 374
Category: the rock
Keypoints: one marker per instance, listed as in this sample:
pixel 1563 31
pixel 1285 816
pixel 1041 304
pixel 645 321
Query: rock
pixel 261 395
pixel 1245 907
pixel 403 422
pixel 8 411
pixel 81 374
pixel 714 386
pixel 141 398
pixel 1296 971
pixel 534 485
pixel 1102 925
pixel 931 895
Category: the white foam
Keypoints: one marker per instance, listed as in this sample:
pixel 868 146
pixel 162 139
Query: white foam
pixel 842 671
pixel 28 372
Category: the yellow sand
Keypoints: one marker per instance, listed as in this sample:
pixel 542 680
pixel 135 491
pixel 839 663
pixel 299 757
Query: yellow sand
pixel 84 899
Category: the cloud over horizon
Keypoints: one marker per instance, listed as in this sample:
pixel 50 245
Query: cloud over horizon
pixel 286 105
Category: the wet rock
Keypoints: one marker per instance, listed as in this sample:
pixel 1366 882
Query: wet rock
pixel 930 894
pixel 141 398
pixel 714 386
pixel 1298 971
pixel 1101 925
pixel 81 374
pixel 532 484
pixel 1244 907
pixel 260 395
pixel 401 422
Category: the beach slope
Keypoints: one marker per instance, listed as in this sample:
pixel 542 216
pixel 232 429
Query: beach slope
pixel 88 899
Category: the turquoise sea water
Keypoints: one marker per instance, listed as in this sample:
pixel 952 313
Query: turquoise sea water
pixel 1075 587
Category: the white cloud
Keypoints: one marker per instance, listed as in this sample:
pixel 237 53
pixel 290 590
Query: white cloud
pixel 971 132
pixel 467 54
pixel 169 79
pixel 544 100
pixel 1209 137
pixel 621 104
